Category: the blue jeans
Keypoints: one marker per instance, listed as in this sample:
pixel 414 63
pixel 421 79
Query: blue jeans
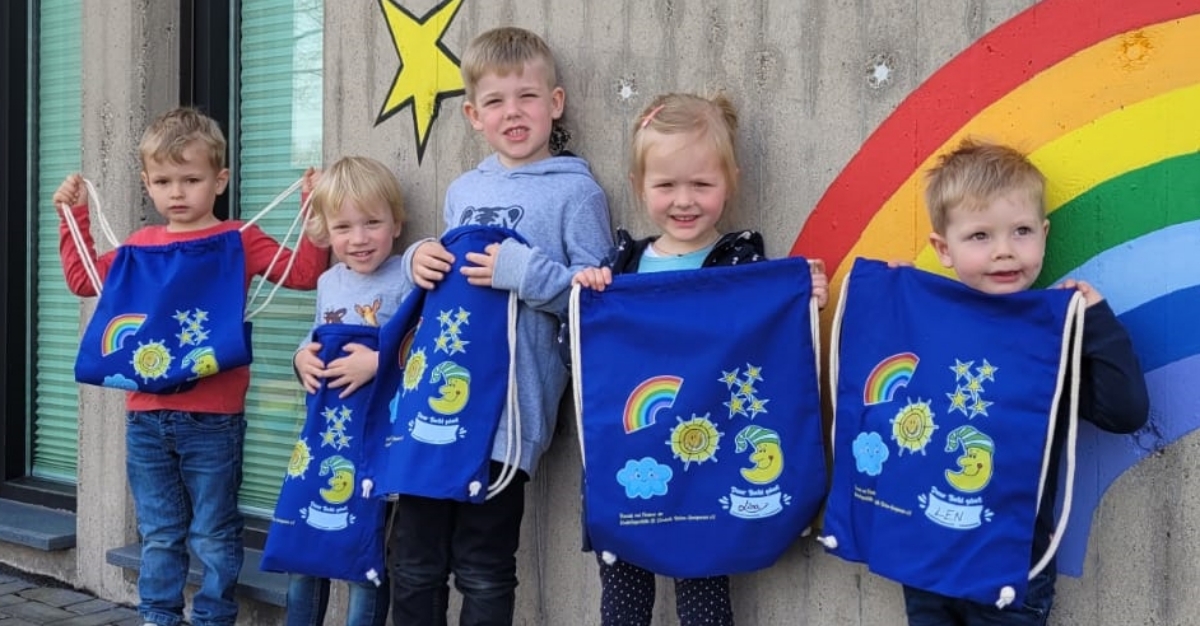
pixel 930 609
pixel 308 597
pixel 477 542
pixel 184 470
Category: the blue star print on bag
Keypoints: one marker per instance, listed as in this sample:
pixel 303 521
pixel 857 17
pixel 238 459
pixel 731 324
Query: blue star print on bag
pixel 700 416
pixel 944 415
pixel 445 383
pixel 169 315
pixel 323 525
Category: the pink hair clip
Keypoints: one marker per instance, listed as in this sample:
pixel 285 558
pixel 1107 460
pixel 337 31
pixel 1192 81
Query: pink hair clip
pixel 650 116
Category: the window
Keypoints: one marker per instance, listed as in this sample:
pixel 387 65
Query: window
pixel 42 139
pixel 277 134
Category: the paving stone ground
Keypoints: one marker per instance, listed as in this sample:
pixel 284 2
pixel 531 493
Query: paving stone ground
pixel 27 600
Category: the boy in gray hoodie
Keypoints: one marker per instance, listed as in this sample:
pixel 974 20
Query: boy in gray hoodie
pixel 513 98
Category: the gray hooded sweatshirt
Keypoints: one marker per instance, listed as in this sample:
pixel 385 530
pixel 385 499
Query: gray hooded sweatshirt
pixel 560 210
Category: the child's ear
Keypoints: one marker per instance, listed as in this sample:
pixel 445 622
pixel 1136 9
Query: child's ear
pixel 145 181
pixel 222 180
pixel 472 115
pixel 943 251
pixel 558 101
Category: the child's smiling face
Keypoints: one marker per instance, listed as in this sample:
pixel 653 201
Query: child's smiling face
pixel 998 248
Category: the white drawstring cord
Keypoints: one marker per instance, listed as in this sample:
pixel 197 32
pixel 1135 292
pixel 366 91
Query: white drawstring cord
pixel 576 367
pixel 512 451
pixel 85 256
pixel 283 244
pixel 835 338
pixel 1072 337
pixel 89 263
pixel 101 218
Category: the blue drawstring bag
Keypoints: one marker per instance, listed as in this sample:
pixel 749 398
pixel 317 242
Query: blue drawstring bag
pixel 698 399
pixel 168 316
pixel 945 410
pixel 446 383
pixel 323 525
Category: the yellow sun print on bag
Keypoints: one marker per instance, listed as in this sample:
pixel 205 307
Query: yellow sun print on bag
pixel 694 441
pixel 151 360
pixel 301 457
pixel 913 426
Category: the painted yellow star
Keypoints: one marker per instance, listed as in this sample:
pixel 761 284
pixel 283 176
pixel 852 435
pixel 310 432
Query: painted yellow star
pixel 463 315
pixel 444 318
pixel 958 401
pixel 729 378
pixel 974 386
pixel 961 370
pixel 428 72
pixel 987 371
pixel 979 407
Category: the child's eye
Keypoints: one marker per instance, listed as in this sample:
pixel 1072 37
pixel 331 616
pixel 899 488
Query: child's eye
pixel 1024 230
pixel 979 236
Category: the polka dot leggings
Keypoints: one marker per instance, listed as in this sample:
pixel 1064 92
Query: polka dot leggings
pixel 627 597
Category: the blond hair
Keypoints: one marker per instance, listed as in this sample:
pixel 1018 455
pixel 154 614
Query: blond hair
pixel 361 180
pixel 504 51
pixel 974 174
pixel 713 122
pixel 171 133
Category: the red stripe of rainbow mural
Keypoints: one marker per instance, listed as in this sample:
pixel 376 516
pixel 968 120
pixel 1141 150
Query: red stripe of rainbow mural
pixel 1104 95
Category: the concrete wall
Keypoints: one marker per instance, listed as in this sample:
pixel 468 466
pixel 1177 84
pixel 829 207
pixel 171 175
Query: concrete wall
pixel 813 81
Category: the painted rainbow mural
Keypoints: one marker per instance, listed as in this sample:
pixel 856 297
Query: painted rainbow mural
pixel 1108 106
pixel 648 398
pixel 119 329
pixel 888 376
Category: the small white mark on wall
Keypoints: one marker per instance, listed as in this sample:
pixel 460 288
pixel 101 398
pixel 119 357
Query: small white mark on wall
pixel 879 71
pixel 626 88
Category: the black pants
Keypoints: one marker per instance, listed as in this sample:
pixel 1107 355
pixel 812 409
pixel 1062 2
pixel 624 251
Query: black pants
pixel 627 597
pixel 477 542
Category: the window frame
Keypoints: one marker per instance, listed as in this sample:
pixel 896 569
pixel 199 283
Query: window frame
pixel 18 170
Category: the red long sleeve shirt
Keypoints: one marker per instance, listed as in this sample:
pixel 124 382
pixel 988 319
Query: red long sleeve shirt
pixel 224 392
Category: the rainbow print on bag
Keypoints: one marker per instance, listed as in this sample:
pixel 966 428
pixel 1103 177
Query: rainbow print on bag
pixel 891 374
pixel 648 399
pixel 118 330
